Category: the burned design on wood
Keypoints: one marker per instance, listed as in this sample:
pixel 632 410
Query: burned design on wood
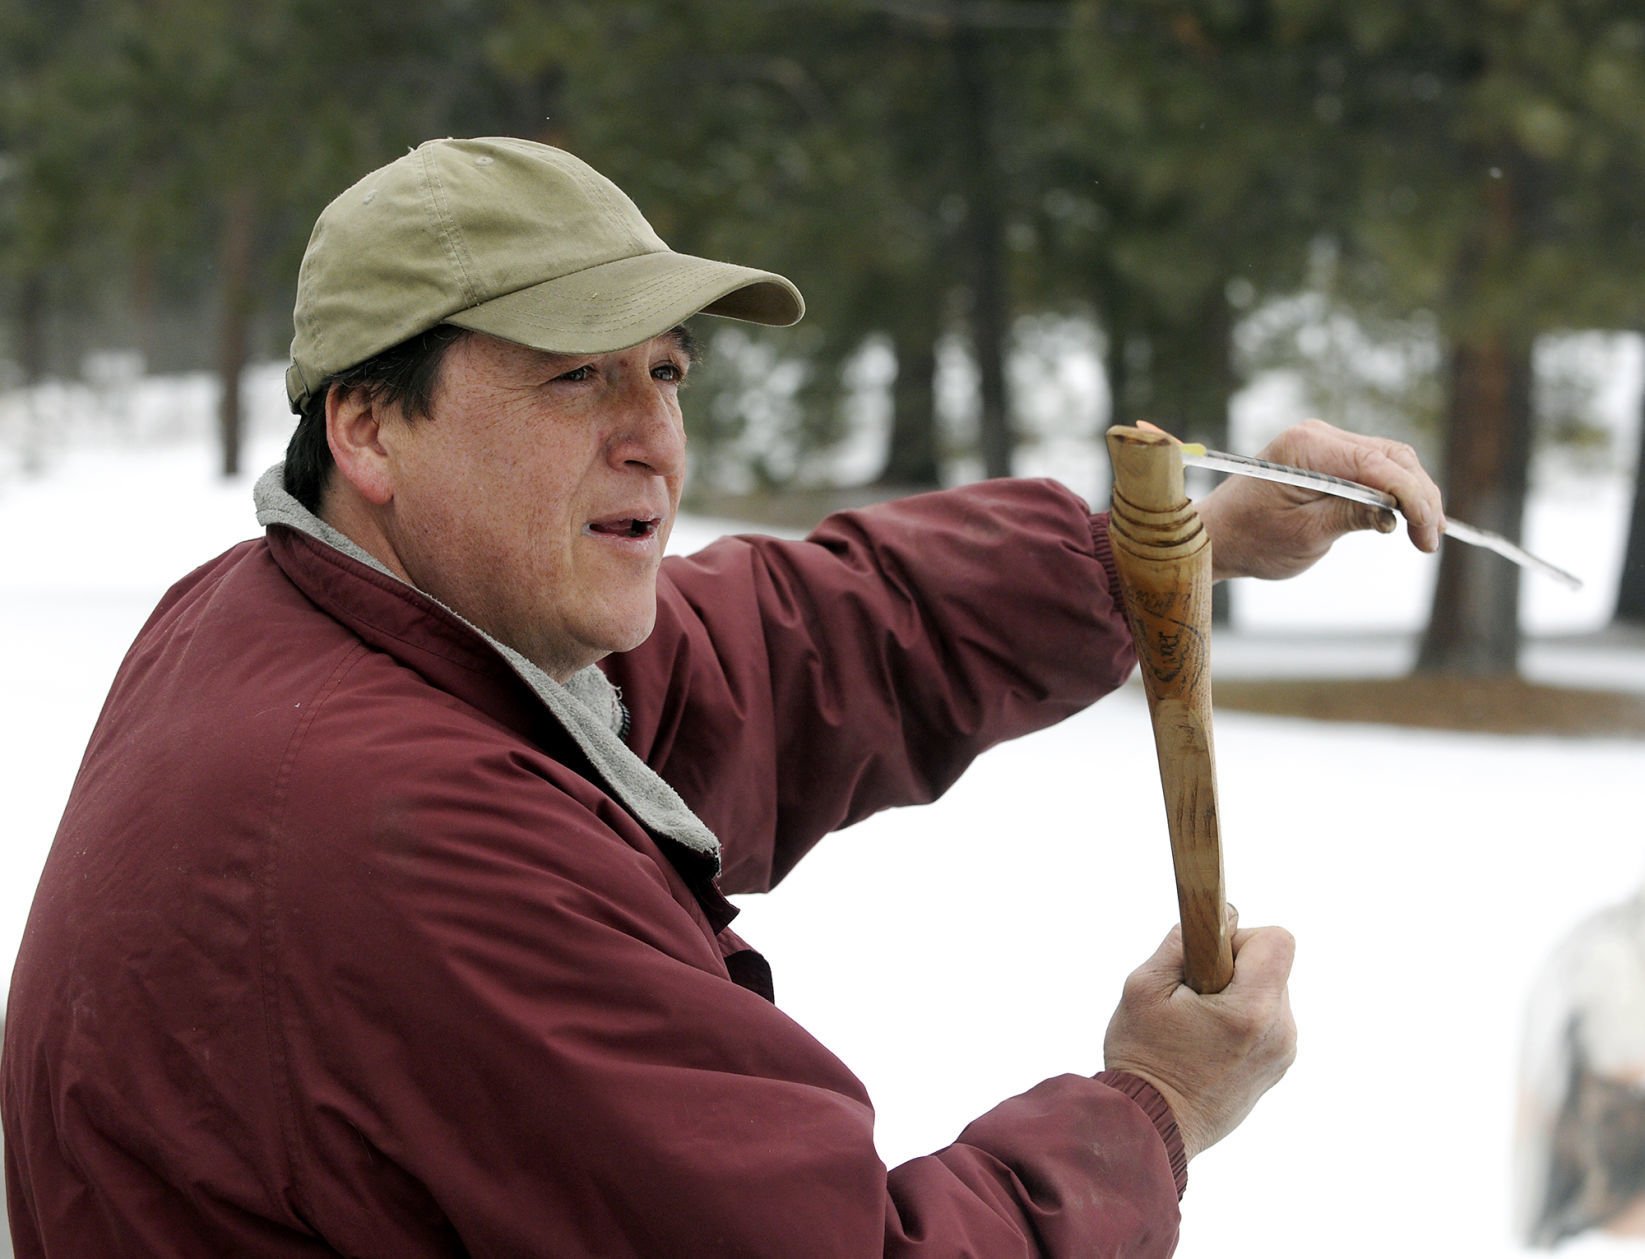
pixel 1179 648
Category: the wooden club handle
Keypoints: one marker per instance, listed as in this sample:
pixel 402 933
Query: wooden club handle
pixel 1163 556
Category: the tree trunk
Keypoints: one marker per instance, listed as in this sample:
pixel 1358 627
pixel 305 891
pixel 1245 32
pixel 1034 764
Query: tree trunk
pixel 144 305
pixel 1473 628
pixel 912 459
pixel 234 287
pixel 1630 588
pixel 1116 363
pixel 1192 368
pixel 1213 407
pixel 1191 390
pixel 985 244
pixel 31 356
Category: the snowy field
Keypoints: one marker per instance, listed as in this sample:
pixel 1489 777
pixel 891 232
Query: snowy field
pixel 1425 875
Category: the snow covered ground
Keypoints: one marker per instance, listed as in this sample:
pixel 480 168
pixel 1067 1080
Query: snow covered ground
pixel 1425 875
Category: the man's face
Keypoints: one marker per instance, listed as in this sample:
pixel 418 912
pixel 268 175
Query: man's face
pixel 537 497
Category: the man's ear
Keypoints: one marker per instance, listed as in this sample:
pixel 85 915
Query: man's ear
pixel 354 423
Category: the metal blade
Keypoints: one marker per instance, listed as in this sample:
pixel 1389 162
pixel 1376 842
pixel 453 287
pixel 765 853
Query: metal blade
pixel 1197 456
pixel 1518 554
pixel 1243 465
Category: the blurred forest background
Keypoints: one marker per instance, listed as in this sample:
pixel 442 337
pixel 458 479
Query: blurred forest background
pixel 1407 202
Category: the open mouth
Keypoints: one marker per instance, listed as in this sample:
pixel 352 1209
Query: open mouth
pixel 627 526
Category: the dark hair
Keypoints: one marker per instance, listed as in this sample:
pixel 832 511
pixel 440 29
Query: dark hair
pixel 405 375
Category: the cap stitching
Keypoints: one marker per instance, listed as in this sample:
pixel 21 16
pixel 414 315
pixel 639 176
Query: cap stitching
pixel 311 323
pixel 674 284
pixel 659 303
pixel 612 209
pixel 451 238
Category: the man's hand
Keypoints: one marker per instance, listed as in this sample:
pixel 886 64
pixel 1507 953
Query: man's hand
pixel 1211 1057
pixel 1260 529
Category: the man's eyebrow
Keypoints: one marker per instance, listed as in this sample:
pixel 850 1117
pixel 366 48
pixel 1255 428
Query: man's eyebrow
pixel 687 343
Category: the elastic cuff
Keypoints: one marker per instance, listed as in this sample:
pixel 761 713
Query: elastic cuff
pixel 1102 549
pixel 1158 1110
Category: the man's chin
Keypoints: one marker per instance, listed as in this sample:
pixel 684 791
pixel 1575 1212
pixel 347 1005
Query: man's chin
pixel 627 632
pixel 638 637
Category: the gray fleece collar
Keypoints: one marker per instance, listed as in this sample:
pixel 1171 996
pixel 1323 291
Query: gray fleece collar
pixel 587 705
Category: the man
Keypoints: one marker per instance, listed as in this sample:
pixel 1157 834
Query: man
pixel 386 916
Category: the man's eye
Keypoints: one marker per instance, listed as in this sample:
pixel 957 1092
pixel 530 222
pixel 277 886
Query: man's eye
pixel 577 374
pixel 669 371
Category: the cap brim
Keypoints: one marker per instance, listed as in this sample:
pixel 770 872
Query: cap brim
pixel 618 304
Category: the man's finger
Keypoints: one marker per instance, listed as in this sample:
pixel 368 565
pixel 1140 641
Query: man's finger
pixel 1264 955
pixel 1394 467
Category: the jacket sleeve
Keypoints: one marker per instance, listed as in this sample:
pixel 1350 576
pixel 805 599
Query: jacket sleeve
pixel 792 688
pixel 530 1046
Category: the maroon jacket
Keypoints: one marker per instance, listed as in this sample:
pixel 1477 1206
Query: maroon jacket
pixel 344 947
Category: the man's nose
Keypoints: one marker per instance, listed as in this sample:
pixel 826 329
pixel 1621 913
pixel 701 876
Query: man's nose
pixel 651 434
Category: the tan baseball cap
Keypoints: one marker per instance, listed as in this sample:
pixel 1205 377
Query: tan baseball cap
pixel 504 236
